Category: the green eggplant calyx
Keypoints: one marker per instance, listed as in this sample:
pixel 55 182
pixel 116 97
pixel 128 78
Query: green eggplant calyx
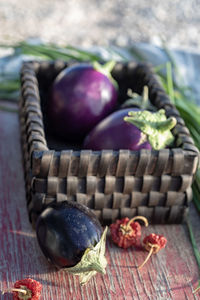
pixel 92 261
pixel 141 101
pixel 106 70
pixel 155 125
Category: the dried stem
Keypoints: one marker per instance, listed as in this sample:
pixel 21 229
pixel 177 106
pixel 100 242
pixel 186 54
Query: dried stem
pixel 154 249
pixel 15 290
pixel 126 228
pixel 138 218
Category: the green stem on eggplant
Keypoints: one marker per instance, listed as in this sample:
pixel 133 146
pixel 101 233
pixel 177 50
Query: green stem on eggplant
pixel 137 100
pixel 154 125
pixel 106 69
pixel 92 261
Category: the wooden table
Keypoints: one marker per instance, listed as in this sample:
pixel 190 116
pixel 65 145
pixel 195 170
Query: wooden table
pixel 171 274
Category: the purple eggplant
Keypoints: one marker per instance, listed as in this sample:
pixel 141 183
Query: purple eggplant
pixel 132 129
pixel 71 237
pixel 81 96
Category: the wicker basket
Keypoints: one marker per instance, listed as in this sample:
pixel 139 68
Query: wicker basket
pixel 115 184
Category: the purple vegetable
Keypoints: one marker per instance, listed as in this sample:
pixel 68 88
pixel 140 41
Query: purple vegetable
pixel 71 237
pixel 114 133
pixel 132 129
pixel 81 96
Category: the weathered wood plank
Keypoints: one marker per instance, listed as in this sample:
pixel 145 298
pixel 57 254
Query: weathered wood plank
pixel 171 274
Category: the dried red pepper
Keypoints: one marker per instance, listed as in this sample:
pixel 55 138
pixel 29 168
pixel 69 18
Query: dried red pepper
pixel 153 243
pixel 26 289
pixel 126 232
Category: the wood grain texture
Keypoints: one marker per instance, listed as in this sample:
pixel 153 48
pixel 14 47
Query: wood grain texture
pixel 171 274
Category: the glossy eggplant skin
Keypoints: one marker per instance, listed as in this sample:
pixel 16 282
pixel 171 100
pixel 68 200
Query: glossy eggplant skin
pixel 115 133
pixel 65 230
pixel 80 97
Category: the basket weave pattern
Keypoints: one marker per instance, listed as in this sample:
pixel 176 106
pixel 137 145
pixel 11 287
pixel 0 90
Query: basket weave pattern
pixel 115 184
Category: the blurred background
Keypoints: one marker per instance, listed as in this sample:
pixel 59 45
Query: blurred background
pixel 102 22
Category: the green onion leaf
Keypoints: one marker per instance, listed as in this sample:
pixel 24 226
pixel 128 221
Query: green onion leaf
pixel 195 249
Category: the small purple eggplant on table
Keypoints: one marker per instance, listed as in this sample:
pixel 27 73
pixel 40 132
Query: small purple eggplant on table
pixel 71 238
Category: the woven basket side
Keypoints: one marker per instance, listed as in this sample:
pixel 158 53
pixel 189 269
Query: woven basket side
pixel 26 157
pixel 121 163
pixel 100 200
pixel 31 109
pixel 108 185
pixel 110 207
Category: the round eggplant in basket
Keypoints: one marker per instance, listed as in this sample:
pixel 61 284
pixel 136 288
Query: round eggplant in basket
pixel 81 96
pixel 132 128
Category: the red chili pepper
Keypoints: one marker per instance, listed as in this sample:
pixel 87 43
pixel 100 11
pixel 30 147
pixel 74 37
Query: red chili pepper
pixel 26 289
pixel 153 243
pixel 126 232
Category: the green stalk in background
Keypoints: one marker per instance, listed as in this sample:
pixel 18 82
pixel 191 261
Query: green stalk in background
pixel 195 249
pixel 190 113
